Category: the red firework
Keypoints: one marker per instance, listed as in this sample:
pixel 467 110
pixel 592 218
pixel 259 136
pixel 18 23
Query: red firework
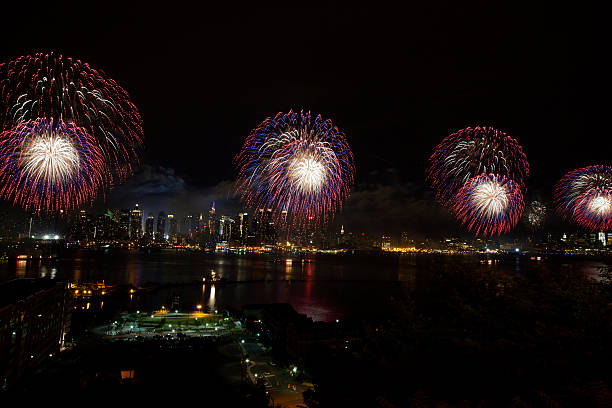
pixel 61 89
pixel 50 165
pixel 489 204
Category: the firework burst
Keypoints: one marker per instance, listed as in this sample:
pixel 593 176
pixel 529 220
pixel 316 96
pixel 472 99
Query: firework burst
pixel 60 89
pixel 489 204
pixel 535 215
pixel 53 165
pixel 584 196
pixel 297 165
pixel 472 152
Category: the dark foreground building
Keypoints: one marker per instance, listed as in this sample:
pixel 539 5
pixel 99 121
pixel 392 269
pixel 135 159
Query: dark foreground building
pixel 34 317
pixel 296 334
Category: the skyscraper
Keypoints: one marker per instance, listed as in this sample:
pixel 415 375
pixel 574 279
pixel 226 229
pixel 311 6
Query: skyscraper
pixel 135 223
pixel 225 228
pixel 149 226
pixel 172 227
pixel 213 225
pixel 124 225
pixel 161 226
pixel 201 222
pixel 187 225
pixel 243 228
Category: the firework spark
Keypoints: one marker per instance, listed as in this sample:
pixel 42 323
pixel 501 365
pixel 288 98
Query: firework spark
pixel 296 165
pixel 584 196
pixel 535 215
pixel 51 165
pixel 61 89
pixel 471 152
pixel 50 157
pixel 489 204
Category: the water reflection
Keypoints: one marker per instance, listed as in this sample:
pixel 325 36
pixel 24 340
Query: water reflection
pixel 325 287
pixel 308 275
pixel 21 268
pixel 211 299
pixel 133 273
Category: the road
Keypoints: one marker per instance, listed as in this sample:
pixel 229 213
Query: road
pixel 283 387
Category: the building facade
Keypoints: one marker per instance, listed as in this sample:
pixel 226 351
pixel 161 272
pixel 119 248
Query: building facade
pixel 34 318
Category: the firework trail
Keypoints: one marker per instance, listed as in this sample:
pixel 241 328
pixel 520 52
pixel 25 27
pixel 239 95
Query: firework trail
pixel 60 89
pixel 584 196
pixel 51 165
pixel 297 165
pixel 489 204
pixel 471 152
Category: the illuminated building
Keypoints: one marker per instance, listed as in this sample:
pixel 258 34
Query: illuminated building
pixel 201 223
pixel 601 237
pixel 405 240
pixel 161 226
pixel 340 238
pixel 149 225
pixel 243 228
pixel 135 223
pixel 187 225
pixel 124 225
pixel 264 229
pixel 225 228
pixel 255 237
pixel 82 227
pixel 105 227
pixel 172 226
pixel 269 234
pixel 282 228
pixel 385 242
pixel 213 225
pixel 34 317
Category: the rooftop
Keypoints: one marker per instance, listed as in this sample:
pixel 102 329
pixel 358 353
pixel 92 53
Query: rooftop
pixel 19 289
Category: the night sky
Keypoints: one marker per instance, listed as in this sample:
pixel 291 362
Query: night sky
pixel 396 79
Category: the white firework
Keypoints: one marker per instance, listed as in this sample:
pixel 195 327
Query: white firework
pixel 600 205
pixel 307 173
pixel 50 157
pixel 536 215
pixel 490 197
pixel 308 161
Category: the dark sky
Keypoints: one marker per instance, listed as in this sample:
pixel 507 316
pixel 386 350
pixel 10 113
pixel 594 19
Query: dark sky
pixel 396 78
